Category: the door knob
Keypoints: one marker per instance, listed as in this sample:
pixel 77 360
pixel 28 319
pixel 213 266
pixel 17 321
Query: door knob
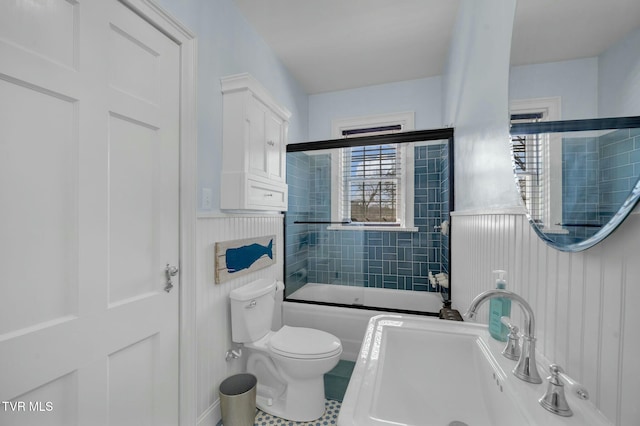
pixel 169 271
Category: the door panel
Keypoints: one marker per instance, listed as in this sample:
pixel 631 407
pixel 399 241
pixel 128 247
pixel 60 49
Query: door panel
pixel 132 221
pixel 89 180
pixel 52 404
pixel 142 80
pixel 131 392
pixel 38 190
pixel 55 21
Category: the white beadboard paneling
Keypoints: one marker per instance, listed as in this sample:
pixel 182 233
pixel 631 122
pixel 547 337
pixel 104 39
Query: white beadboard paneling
pixel 629 408
pixel 574 319
pixel 592 323
pixel 584 302
pixel 213 309
pixel 612 307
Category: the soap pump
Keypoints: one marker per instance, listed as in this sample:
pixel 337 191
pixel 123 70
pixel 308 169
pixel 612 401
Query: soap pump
pixel 499 307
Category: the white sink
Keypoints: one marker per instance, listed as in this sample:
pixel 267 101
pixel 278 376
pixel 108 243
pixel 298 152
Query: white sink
pixel 424 371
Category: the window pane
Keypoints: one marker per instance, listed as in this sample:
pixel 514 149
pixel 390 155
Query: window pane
pixel 528 155
pixel 373 161
pixel 371 184
pixel 373 201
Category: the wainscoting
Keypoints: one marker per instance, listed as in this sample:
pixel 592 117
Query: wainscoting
pixel 213 332
pixel 585 303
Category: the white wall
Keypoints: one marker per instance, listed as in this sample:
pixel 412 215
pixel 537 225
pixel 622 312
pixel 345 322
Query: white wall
pixel 228 45
pixel 603 86
pixel 476 102
pixel 619 78
pixel 576 82
pixel 423 96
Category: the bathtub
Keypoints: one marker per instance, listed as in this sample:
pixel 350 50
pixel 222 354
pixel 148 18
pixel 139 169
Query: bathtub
pixel 347 323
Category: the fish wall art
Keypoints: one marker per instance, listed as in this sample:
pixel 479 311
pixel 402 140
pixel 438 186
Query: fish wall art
pixel 239 257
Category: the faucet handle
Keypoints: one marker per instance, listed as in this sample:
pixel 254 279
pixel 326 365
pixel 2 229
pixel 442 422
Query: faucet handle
pixel 507 322
pixel 575 387
pixel 554 399
pixel 512 349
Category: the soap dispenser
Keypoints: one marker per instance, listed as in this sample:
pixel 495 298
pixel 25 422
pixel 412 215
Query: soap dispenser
pixel 499 307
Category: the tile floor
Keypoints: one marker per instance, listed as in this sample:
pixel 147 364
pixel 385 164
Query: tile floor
pixel 337 380
pixel 330 417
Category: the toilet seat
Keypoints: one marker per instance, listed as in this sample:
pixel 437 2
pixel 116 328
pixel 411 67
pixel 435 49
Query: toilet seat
pixel 304 343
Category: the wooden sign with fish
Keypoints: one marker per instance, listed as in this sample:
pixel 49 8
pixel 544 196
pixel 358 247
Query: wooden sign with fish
pixel 239 257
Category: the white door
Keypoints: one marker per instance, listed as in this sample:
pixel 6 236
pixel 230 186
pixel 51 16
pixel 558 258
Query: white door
pixel 89 172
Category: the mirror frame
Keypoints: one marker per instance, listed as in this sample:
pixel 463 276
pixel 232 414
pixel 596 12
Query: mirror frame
pixel 573 126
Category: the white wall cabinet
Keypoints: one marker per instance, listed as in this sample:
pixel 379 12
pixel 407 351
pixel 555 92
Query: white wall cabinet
pixel 254 138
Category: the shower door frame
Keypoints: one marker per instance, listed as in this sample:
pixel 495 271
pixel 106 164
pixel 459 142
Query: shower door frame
pixel 393 138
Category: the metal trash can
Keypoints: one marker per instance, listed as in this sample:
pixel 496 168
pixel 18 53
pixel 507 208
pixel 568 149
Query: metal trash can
pixel 238 400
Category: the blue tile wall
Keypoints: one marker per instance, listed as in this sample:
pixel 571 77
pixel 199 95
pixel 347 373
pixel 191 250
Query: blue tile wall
pixel 297 236
pixel 580 177
pixel 397 260
pixel 619 166
pixel 598 174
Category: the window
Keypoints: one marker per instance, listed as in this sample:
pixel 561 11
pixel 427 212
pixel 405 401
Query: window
pixel 371 184
pixel 538 163
pixel 371 179
pixel 528 156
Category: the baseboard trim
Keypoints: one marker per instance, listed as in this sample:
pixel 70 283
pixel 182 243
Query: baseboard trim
pixel 212 415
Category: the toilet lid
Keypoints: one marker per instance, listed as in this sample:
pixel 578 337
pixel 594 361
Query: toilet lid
pixel 300 342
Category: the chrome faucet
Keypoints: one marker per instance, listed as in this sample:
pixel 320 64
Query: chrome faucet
pixel 526 368
pixel 512 350
pixel 554 399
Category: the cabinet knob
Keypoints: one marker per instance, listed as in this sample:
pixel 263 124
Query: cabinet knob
pixel 268 195
pixel 271 143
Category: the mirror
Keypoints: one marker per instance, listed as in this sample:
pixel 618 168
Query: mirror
pixel 577 178
pixel 574 94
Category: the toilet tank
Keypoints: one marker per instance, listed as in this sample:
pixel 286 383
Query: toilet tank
pixel 252 310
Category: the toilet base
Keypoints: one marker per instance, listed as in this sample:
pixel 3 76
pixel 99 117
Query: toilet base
pixel 289 388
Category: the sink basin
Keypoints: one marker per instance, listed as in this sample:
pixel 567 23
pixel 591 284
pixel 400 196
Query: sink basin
pixel 424 371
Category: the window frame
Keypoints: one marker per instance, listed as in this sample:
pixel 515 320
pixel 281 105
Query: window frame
pixel 404 216
pixel 398 181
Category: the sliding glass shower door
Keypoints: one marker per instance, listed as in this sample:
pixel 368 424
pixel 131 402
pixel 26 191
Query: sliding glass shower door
pixel 366 218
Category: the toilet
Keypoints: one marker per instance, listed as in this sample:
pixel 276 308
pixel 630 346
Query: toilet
pixel 289 363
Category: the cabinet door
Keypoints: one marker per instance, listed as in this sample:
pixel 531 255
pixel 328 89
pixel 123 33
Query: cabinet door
pixel 256 137
pixel 274 147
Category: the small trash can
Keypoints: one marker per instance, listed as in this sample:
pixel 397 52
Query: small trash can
pixel 238 400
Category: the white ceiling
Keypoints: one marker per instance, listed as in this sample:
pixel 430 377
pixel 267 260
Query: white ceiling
pixel 333 45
